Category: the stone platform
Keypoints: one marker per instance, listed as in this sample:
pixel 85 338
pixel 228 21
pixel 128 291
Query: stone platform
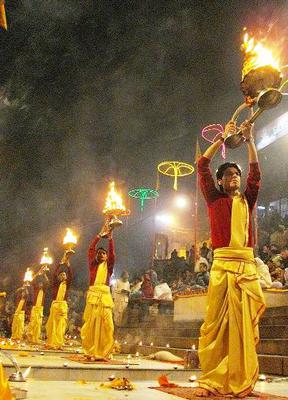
pixel 56 366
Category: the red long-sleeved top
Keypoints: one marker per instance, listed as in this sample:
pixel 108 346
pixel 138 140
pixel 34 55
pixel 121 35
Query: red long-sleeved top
pixel 220 204
pixel 93 264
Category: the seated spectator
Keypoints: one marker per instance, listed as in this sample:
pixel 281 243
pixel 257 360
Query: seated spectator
pixel 204 250
pixel 147 287
pixel 153 276
pixel 187 278
pixel 276 273
pixel 279 237
pixel 284 257
pixel 265 253
pixel 136 288
pixel 162 292
pixel 202 277
pixel 201 260
pixel 263 272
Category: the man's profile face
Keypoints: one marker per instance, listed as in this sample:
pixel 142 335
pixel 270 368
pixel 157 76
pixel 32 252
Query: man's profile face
pixel 101 256
pixel 231 179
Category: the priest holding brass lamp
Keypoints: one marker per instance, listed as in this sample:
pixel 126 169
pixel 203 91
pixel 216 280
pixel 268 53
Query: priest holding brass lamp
pixel 97 332
pixel 62 278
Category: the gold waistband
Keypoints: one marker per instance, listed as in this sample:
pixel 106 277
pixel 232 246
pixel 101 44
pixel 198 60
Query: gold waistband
pixel 234 254
pixel 99 288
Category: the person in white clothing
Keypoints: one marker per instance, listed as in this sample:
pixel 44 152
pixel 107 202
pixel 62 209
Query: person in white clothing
pixel 121 291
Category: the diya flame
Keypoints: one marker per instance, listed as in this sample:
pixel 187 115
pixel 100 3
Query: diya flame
pixel 28 277
pixel 256 55
pixel 46 259
pixel 70 237
pixel 113 201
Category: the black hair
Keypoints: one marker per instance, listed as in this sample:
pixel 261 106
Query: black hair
pixel 101 248
pixel 220 171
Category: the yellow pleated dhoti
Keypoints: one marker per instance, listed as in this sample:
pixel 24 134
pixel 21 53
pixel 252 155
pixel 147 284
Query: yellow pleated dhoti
pixel 98 329
pixel 5 393
pixel 57 321
pixel 18 322
pixel 35 323
pixel 227 345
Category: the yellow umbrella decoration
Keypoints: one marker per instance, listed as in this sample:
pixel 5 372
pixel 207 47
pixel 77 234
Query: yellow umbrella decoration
pixel 176 169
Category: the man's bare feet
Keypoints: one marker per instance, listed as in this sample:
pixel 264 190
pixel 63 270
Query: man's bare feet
pixel 200 392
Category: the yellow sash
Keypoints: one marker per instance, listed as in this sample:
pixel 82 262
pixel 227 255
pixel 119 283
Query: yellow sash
pixel 101 275
pixel 20 306
pixel 239 222
pixel 61 291
pixel 39 298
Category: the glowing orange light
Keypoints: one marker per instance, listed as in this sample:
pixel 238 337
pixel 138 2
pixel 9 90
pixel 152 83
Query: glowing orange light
pixel 46 259
pixel 114 201
pixel 256 55
pixel 28 277
pixel 70 237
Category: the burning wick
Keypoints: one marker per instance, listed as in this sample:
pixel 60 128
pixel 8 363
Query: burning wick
pixel 151 344
pixel 111 377
pixel 125 342
pixel 137 354
pixel 262 377
pixel 140 343
pixel 193 347
pixel 167 345
pixel 192 378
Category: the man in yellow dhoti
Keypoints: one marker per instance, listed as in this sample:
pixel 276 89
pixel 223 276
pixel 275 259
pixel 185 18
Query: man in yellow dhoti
pixel 57 321
pixel 40 283
pixel 5 393
pixel 227 345
pixel 98 329
pixel 23 295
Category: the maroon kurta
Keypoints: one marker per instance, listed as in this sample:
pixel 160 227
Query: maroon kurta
pixel 93 264
pixel 220 204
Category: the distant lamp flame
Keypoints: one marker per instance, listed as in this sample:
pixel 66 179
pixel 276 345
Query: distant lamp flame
pixel 114 203
pixel 70 237
pixel 28 277
pixel 70 240
pixel 256 55
pixel 46 259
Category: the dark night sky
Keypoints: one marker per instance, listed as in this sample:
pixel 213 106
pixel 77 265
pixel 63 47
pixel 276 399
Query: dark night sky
pixel 91 90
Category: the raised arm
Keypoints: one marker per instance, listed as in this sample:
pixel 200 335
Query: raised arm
pixel 247 131
pixel 111 253
pixel 254 176
pixel 92 249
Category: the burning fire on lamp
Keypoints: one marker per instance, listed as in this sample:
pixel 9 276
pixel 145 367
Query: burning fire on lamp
pixel 46 259
pixel 261 80
pixel 69 241
pixel 28 277
pixel 113 209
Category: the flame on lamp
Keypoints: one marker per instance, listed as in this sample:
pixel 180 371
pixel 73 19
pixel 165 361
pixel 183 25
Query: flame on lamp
pixel 46 259
pixel 28 277
pixel 113 201
pixel 256 55
pixel 69 238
